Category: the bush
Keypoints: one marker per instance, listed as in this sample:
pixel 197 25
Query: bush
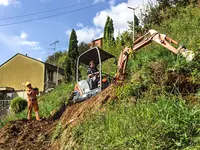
pixel 18 104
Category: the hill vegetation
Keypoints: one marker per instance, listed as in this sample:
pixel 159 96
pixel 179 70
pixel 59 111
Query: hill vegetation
pixel 157 106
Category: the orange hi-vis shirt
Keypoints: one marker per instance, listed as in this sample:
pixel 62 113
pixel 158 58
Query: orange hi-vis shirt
pixel 31 95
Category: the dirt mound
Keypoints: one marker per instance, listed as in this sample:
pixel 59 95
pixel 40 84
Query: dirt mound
pixel 24 134
pixel 36 135
pixel 182 83
pixel 77 112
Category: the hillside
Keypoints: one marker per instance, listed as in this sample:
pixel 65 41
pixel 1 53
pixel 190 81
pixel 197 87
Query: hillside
pixel 157 107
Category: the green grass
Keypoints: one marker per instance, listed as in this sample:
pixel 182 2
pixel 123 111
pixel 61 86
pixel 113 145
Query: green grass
pixel 57 132
pixel 47 103
pixel 54 99
pixel 167 124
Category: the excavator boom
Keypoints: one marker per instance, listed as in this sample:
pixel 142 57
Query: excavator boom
pixel 146 39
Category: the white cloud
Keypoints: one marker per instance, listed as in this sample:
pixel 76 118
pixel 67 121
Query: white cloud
pixel 120 15
pixel 135 3
pixel 39 59
pixel 68 32
pixel 86 34
pixel 23 35
pixel 80 25
pixel 8 2
pixel 4 2
pixel 20 41
pixel 28 43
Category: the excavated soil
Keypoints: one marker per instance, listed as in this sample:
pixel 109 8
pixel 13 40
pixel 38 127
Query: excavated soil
pixel 24 134
pixel 77 112
pixel 36 135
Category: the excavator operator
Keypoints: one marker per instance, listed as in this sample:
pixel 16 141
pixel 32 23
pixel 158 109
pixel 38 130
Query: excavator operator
pixel 32 101
pixel 93 75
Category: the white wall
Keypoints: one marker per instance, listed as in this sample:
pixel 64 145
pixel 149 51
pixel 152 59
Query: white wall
pixel 60 77
pixel 21 94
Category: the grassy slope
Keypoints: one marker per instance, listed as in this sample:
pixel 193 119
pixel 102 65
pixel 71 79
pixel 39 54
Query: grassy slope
pixel 167 123
pixel 47 103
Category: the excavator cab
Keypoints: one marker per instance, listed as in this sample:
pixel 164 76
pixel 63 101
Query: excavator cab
pixel 83 89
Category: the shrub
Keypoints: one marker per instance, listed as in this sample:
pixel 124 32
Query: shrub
pixel 18 104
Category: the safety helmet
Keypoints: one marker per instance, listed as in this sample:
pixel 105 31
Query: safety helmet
pixel 27 83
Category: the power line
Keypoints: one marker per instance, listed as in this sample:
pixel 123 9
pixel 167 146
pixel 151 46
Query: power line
pixel 41 12
pixel 51 16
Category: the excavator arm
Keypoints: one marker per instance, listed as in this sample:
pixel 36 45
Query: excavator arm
pixel 146 39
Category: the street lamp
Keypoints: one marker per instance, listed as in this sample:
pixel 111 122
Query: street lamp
pixel 133 21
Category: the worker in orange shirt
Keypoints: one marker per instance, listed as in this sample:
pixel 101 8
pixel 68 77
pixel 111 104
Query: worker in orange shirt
pixel 32 101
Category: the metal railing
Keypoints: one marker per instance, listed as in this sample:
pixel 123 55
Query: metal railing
pixel 4 111
pixel 4 107
pixel 4 103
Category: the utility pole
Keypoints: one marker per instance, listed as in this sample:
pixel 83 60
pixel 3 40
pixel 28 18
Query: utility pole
pixel 133 22
pixel 55 43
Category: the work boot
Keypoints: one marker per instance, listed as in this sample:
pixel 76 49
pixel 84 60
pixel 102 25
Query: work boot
pixel 37 116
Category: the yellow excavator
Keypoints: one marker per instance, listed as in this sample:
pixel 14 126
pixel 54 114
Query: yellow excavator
pixel 82 89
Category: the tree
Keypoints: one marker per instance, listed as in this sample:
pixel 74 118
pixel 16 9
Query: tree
pixel 109 40
pixel 155 14
pixel 53 59
pixel 73 48
pixel 138 28
pixel 68 70
pixel 82 47
pixel 61 60
pixel 126 39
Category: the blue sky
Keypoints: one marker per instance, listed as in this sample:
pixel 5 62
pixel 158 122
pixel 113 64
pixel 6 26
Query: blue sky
pixel 34 38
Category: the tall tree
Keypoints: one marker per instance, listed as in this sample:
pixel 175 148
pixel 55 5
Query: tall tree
pixel 109 40
pixel 138 29
pixel 73 48
pixel 82 47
